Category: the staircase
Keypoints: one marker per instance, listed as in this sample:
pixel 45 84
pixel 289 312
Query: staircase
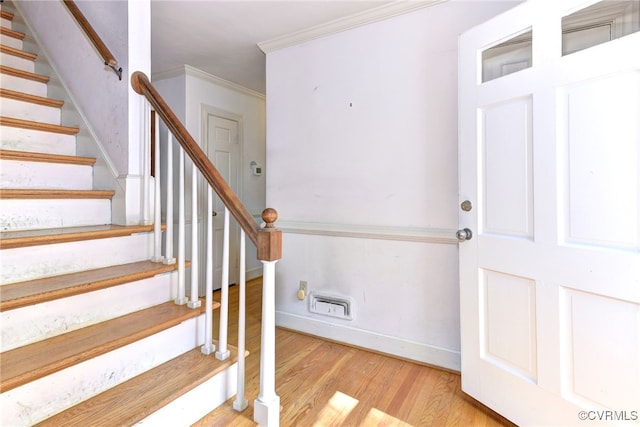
pixel 90 332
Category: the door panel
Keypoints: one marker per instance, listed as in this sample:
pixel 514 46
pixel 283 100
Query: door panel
pixel 601 178
pixel 509 323
pixel 223 148
pixel 611 324
pixel 550 159
pixel 507 168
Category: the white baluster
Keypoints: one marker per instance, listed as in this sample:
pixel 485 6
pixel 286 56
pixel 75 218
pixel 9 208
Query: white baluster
pixel 146 163
pixel 223 351
pixel 157 214
pixel 194 301
pixel 208 346
pixel 266 408
pixel 240 404
pixel 169 259
pixel 181 299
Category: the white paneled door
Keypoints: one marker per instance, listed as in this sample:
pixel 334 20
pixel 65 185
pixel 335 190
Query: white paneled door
pixel 550 163
pixel 223 149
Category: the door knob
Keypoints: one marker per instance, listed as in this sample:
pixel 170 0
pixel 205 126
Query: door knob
pixel 464 234
pixel 214 213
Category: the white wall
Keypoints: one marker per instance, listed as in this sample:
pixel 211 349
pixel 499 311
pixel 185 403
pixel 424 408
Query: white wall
pixel 204 89
pixel 187 91
pixel 99 93
pixel 362 153
pixel 108 111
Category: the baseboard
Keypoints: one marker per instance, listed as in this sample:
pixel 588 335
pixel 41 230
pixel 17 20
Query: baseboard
pixel 398 347
pixel 253 273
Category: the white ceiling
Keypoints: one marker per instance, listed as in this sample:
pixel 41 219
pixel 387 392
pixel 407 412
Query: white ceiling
pixel 221 37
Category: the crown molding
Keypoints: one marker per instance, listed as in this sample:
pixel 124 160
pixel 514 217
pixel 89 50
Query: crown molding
pixel 203 75
pixel 346 23
pixel 168 74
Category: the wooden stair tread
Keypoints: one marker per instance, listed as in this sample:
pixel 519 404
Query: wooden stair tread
pixel 25 238
pixel 6 15
pixel 18 52
pixel 33 99
pixel 134 400
pixel 10 193
pixel 30 362
pixel 46 157
pixel 16 295
pixel 12 33
pixel 10 71
pixel 43 127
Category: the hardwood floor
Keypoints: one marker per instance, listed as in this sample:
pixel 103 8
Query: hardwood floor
pixel 322 383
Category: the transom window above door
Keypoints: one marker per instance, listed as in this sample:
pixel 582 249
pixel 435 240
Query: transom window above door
pixel 588 27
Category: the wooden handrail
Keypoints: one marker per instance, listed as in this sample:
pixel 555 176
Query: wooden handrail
pixel 103 50
pixel 267 240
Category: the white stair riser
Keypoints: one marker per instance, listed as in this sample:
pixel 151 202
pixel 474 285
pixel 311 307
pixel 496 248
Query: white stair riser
pixel 196 403
pixel 10 41
pixel 5 22
pixel 19 84
pixel 20 264
pixel 42 175
pixel 17 62
pixel 35 141
pixel 34 214
pixel 29 324
pixel 38 400
pixel 29 111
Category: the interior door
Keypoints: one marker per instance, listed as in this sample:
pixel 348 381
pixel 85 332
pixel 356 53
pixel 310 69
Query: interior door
pixel 549 167
pixel 223 148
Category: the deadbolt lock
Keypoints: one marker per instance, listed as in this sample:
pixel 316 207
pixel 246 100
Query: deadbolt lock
pixel 466 206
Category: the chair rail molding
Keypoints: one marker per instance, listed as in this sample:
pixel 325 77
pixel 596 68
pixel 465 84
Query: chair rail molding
pixel 408 234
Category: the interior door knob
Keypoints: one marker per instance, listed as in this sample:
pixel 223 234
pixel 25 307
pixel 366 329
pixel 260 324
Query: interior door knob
pixel 214 213
pixel 464 234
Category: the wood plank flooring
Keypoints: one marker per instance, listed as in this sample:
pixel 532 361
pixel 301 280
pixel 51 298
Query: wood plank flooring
pixel 322 383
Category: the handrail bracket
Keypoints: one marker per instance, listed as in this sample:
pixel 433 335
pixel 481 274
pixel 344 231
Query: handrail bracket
pixel 116 69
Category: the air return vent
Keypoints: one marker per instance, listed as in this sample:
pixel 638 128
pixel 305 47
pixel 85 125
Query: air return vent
pixel 329 305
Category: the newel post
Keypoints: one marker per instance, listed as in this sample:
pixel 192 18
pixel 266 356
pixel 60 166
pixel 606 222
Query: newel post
pixel 266 408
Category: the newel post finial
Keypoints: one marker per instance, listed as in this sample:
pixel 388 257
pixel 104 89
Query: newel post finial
pixel 269 216
pixel 269 238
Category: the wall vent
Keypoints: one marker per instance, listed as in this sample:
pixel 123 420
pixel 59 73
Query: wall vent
pixel 329 305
